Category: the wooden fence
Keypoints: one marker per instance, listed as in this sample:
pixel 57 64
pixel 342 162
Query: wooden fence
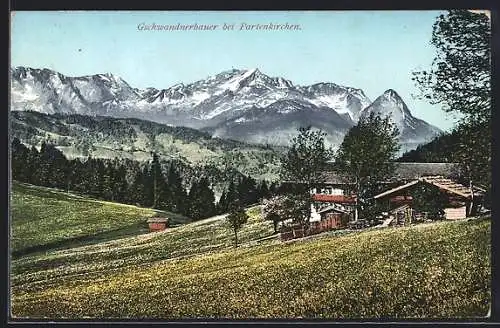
pixel 300 231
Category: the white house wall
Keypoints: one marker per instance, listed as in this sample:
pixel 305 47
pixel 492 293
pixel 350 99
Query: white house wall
pixel 328 191
pixel 315 216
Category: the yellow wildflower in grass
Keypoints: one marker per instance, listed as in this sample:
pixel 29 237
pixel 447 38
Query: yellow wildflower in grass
pixel 437 270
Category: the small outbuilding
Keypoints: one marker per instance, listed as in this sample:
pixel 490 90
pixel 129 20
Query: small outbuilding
pixel 333 217
pixel 157 224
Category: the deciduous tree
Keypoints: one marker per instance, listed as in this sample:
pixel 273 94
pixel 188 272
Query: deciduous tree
pixel 428 198
pixel 306 162
pixel 460 74
pixel 235 220
pixel 292 207
pixel 366 155
pixel 459 80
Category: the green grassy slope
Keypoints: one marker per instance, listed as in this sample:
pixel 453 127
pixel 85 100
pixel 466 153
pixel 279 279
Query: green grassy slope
pixel 44 218
pixel 202 237
pixel 439 270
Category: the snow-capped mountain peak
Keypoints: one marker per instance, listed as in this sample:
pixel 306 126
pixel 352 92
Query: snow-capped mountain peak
pixel 108 77
pixel 391 104
pixel 246 97
pixel 390 93
pixel 412 130
pixel 344 100
pixel 238 81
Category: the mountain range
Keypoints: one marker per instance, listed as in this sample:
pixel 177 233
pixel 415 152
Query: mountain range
pixel 245 105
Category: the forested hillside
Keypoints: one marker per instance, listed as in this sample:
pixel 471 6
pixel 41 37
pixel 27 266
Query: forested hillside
pixel 442 149
pixel 159 183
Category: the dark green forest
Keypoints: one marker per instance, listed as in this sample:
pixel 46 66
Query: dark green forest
pixel 441 149
pixel 156 183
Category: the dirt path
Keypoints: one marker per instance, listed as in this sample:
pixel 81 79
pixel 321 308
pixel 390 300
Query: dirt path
pixel 211 219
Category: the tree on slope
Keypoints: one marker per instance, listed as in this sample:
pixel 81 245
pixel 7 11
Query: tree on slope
pixel 305 163
pixel 366 155
pixel 285 208
pixel 235 221
pixel 460 81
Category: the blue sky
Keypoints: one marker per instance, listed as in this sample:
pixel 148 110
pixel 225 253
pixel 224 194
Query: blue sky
pixel 371 50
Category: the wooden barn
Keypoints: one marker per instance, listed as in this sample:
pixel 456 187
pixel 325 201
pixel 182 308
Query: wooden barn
pixel 157 224
pixel 333 217
pixel 328 205
pixel 462 201
pixel 334 184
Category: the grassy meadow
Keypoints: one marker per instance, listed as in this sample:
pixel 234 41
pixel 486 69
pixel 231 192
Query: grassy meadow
pixel 436 270
pixel 45 218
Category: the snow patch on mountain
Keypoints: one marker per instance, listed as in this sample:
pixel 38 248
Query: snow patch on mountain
pixel 412 130
pixel 235 83
pixel 253 101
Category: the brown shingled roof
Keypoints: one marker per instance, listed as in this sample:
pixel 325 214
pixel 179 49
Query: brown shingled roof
pixel 341 199
pixel 441 182
pixel 157 220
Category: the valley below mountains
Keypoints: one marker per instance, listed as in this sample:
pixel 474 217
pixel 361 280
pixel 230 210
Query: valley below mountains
pixel 81 136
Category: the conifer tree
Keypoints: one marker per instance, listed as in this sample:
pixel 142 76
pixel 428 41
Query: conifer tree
pixel 147 185
pixel 43 166
pixel 201 200
pixel 157 179
pixel 175 191
pixel 222 204
pixel 19 161
pixel 264 190
pixel 231 195
pixel 120 185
